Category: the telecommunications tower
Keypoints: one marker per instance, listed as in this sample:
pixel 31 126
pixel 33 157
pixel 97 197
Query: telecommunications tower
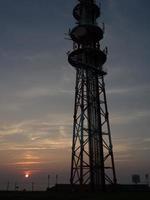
pixel 92 152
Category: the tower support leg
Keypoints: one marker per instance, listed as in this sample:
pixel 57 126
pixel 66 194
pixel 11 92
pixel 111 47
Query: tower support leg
pixel 92 151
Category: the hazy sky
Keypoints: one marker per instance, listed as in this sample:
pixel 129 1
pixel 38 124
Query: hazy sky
pixel 37 88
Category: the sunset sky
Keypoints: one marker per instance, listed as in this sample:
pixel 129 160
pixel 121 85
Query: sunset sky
pixel 37 88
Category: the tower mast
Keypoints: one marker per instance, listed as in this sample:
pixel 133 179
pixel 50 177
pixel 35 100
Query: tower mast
pixel 92 152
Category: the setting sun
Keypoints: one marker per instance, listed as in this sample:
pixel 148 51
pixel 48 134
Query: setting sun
pixel 27 175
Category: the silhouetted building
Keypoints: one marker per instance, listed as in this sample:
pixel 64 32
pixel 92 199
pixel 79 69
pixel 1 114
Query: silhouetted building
pixel 136 178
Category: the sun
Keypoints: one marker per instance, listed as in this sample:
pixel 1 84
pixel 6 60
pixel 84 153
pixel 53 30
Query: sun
pixel 27 175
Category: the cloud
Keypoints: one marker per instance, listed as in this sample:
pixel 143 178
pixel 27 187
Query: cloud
pixel 130 156
pixel 35 135
pixel 26 163
pixel 129 117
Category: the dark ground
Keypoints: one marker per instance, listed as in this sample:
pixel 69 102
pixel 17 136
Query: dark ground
pixel 123 195
pixel 67 192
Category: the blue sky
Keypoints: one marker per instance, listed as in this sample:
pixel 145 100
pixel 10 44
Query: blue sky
pixel 37 87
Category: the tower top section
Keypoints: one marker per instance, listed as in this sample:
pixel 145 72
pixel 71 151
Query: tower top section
pixel 87 31
pixel 86 12
pixel 86 36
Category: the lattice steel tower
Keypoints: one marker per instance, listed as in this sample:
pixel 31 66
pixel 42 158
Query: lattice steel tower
pixel 92 151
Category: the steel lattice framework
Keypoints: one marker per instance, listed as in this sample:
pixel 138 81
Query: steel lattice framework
pixel 92 151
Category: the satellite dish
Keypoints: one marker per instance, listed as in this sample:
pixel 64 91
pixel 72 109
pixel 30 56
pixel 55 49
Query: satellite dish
pixel 81 32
